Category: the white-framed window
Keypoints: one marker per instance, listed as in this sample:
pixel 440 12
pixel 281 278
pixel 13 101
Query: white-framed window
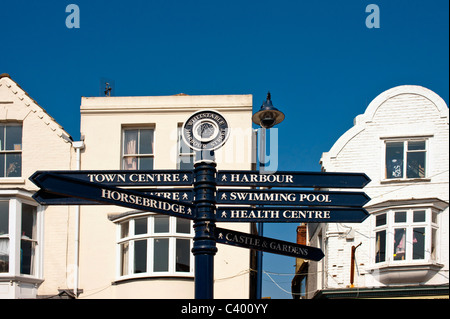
pixel 406 159
pixel 138 148
pixel 406 236
pixel 10 150
pixel 186 155
pixel 152 245
pixel 18 237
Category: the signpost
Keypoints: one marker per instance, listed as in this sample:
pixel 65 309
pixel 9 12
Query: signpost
pixel 205 132
pixel 234 238
pixel 297 214
pixel 293 179
pixel 302 198
pixel 63 185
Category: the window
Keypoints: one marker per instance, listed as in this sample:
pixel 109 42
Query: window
pixel 138 149
pixel 25 255
pixel 28 240
pixel 185 153
pixel 4 237
pixel 155 245
pixel 406 235
pixel 406 159
pixel 10 150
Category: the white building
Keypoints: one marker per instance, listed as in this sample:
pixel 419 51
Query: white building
pixel 402 249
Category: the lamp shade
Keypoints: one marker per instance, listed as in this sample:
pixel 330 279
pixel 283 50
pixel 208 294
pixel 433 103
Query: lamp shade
pixel 268 116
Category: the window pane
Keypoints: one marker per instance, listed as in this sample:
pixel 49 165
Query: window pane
pixel 13 165
pixel 4 218
pixel 2 137
pixel 183 226
pixel 130 142
pixel 140 256
pixel 394 160
pixel 124 229
pixel 433 244
pixel 416 145
pixel 2 165
pixel 140 226
pixel 434 217
pixel 380 220
pixel 400 244
pixel 161 255
pixel 400 217
pixel 161 224
pixel 146 142
pixel 186 162
pixel 13 137
pixel 4 255
pixel 130 162
pixel 26 257
pixel 419 216
pixel 145 163
pixel 416 165
pixel 419 243
pixel 29 221
pixel 124 257
pixel 183 257
pixel 380 246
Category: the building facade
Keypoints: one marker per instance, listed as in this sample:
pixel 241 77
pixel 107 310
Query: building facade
pixel 134 254
pixel 401 250
pixel 30 140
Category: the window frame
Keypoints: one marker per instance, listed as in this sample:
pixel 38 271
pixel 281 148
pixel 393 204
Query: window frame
pixel 150 236
pixel 431 223
pixel 405 141
pixel 16 201
pixel 138 154
pixel 180 153
pixel 5 152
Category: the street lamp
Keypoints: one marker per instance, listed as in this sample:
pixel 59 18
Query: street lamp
pixel 268 116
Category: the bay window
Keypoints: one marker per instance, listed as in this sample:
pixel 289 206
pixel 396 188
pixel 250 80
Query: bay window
pixel 406 236
pixel 18 238
pixel 154 245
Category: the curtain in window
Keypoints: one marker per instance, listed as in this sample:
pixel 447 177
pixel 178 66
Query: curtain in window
pixel 131 137
pixel 4 255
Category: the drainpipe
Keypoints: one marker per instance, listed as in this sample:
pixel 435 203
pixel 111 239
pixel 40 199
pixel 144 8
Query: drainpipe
pixel 352 266
pixel 78 146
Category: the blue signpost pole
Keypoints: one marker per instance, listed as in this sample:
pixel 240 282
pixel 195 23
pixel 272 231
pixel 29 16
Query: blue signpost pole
pixel 204 247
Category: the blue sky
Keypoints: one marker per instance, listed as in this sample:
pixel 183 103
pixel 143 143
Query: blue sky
pixel 321 63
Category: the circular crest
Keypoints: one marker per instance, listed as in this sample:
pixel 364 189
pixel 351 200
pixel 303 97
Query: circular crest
pixel 205 130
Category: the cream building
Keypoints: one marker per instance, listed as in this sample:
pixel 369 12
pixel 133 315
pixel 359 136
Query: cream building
pixel 137 254
pixel 98 251
pixel 401 250
pixel 30 140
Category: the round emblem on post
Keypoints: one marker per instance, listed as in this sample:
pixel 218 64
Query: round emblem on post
pixel 205 130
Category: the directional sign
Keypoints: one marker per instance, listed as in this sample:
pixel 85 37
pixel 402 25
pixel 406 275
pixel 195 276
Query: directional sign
pixel 46 198
pixel 234 238
pixel 302 198
pixel 291 214
pixel 91 191
pixel 130 178
pixel 293 179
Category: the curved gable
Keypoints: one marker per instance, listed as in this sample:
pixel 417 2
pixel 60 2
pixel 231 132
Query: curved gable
pixel 393 108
